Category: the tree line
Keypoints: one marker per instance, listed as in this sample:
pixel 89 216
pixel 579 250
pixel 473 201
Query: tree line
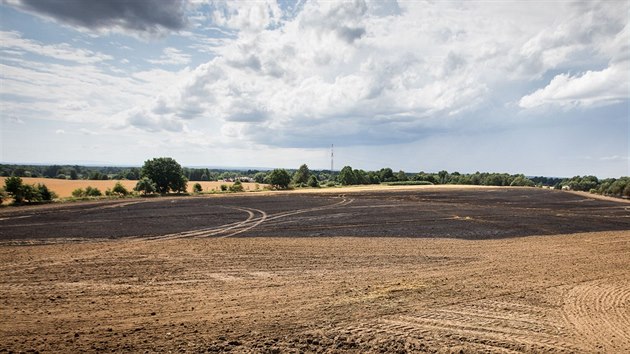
pixel 76 172
pixel 164 175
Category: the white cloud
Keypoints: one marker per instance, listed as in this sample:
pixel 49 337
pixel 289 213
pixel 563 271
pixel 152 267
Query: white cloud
pixel 347 67
pixel 171 56
pixel 247 15
pixel 353 73
pixel 607 86
pixel 62 51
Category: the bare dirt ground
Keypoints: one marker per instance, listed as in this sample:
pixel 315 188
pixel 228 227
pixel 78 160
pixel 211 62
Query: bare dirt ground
pixel 212 284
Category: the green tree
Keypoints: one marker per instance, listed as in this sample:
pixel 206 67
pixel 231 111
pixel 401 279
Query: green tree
pixel 279 178
pixel 313 182
pixel 386 175
pixel 166 173
pixel 260 177
pixel 402 176
pixel 145 185
pixel 19 172
pixel 347 177
pixel 521 181
pixel 374 177
pixel 197 188
pixel 13 186
pixel 73 174
pixel 443 177
pixel 301 175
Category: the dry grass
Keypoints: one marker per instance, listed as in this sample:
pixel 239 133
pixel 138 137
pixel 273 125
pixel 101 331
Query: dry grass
pixel 64 187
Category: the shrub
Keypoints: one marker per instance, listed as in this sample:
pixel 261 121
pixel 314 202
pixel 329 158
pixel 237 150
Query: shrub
pixel 92 192
pixel 26 192
pixel 197 188
pixel 224 187
pixel 78 193
pixel 45 193
pixel 313 182
pixel 120 189
pixel 145 185
pixel 237 187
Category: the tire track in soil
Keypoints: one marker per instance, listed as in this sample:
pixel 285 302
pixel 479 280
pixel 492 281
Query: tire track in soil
pixel 600 311
pixel 485 325
pixel 242 226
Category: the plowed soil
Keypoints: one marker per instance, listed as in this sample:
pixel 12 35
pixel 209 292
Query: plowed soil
pixel 471 270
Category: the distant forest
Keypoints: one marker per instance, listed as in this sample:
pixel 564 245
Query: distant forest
pixel 619 187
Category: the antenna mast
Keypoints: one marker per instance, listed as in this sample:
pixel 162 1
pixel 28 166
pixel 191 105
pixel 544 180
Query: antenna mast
pixel 332 157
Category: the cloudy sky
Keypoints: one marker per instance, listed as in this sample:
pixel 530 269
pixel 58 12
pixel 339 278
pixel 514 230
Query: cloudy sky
pixel 536 87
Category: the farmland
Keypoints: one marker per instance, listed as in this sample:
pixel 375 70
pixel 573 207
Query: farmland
pixel 64 187
pixel 419 269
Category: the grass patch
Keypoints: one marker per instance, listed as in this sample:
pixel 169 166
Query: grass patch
pixel 409 183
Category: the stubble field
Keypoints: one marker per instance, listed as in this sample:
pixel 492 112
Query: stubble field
pixel 443 270
pixel 64 187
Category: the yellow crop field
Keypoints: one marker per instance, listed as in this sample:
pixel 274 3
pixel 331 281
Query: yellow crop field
pixel 64 187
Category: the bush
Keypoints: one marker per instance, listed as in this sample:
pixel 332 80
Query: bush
pixel 45 194
pixel 26 192
pixel 120 189
pixel 92 192
pixel 197 188
pixel 78 193
pixel 224 187
pixel 313 182
pixel 237 187
pixel 145 186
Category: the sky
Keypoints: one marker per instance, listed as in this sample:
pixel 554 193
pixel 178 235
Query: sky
pixel 533 87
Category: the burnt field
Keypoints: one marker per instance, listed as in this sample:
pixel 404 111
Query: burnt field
pixel 451 271
pixel 472 213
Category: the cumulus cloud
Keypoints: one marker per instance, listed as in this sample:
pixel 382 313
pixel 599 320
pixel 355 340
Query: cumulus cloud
pixel 356 73
pixel 146 16
pixel 247 15
pixel 333 69
pixel 607 86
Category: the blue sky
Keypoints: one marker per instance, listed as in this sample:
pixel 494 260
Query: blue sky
pixel 540 88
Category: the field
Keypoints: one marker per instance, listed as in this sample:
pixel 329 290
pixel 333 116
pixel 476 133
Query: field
pixel 421 269
pixel 64 187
